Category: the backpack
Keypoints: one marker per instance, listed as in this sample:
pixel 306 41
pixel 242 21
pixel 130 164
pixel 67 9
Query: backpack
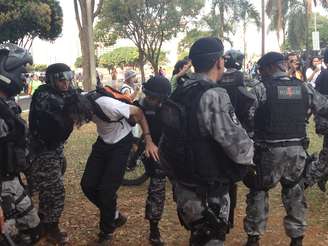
pixel 106 91
pixel 179 125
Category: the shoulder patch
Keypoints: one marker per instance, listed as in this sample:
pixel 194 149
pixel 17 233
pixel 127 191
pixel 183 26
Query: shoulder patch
pixel 233 117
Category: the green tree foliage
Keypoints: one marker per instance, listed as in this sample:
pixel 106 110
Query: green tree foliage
pixel 322 27
pixel 39 67
pixel 103 35
pixel 190 38
pixel 225 15
pixel 148 23
pixel 79 62
pixel 120 57
pixel 21 21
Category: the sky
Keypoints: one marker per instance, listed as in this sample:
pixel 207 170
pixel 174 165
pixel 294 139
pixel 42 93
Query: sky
pixel 67 47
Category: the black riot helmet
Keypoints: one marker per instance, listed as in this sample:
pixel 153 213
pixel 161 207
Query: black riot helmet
pixel 233 59
pixel 58 71
pixel 13 60
pixel 157 86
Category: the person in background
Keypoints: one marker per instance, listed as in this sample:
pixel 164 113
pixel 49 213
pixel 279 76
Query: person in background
pixel 34 84
pixel 181 69
pixel 294 66
pixel 314 70
pixel 130 86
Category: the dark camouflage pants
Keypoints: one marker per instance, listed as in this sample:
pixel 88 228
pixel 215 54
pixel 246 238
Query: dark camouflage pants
pixel 156 191
pixel 318 170
pixel 47 177
pixel 27 217
pixel 284 165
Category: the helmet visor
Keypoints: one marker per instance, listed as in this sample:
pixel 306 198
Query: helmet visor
pixel 67 75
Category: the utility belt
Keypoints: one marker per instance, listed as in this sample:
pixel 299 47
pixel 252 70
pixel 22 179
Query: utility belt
pixel 9 206
pixel 12 159
pixel 304 143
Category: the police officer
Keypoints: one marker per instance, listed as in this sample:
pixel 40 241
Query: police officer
pixel 204 148
pixel 280 133
pixel 50 127
pixel 243 102
pixel 156 90
pixel 14 200
pixel 320 171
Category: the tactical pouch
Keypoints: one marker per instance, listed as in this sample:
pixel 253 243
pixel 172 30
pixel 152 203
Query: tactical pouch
pixel 321 125
pixel 8 206
pixel 10 158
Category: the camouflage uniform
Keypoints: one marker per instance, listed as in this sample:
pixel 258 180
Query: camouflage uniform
pixel 49 128
pixel 16 203
pixel 156 191
pixel 284 164
pixel 47 177
pixel 215 110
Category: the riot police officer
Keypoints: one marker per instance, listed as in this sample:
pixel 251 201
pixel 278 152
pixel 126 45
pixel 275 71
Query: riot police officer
pixel 280 133
pixel 203 148
pixel 15 202
pixel 50 127
pixel 243 102
pixel 156 90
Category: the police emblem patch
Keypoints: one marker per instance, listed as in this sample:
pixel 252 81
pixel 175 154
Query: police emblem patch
pixel 233 117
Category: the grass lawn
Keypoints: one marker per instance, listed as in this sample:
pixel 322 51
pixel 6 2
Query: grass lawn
pixel 80 217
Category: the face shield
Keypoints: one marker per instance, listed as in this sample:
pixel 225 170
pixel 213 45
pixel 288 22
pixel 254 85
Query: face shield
pixel 67 75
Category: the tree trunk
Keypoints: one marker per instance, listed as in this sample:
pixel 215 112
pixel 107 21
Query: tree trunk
pixel 221 28
pixel 141 63
pixel 244 41
pixel 85 61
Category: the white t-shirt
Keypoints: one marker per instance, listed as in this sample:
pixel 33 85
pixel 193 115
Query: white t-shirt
pixel 308 73
pixel 113 132
pixel 127 88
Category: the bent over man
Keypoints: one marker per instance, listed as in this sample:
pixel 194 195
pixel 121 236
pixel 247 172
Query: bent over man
pixel 106 164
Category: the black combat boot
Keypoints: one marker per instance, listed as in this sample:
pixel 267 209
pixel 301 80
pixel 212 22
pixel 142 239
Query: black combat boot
pixel 322 184
pixel 54 234
pixel 104 239
pixel 297 241
pixel 253 240
pixel 154 235
pixel 30 236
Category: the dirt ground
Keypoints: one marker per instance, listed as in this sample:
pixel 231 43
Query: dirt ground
pixel 80 217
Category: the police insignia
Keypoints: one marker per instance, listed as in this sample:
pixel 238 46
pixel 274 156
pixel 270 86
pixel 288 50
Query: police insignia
pixel 289 92
pixel 233 117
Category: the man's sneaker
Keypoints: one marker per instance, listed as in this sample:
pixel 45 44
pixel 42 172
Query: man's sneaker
pixel 298 241
pixel 253 240
pixel 120 221
pixel 54 234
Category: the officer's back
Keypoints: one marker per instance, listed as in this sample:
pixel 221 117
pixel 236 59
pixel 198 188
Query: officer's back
pixel 204 147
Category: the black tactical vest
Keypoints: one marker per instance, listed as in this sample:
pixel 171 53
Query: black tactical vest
pixel 49 126
pixel 231 81
pixel 283 115
pixel 13 146
pixel 194 159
